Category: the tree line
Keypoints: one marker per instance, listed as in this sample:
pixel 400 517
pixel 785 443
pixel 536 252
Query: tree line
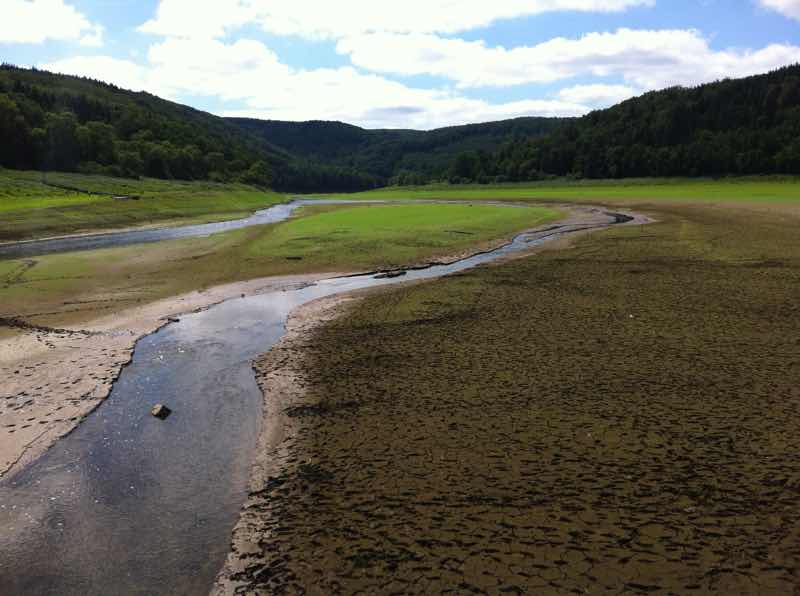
pixel 73 124
pixel 732 127
pixel 391 155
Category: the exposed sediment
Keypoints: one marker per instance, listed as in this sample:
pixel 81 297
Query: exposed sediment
pixel 54 377
pixel 287 467
pixel 621 417
pixel 281 376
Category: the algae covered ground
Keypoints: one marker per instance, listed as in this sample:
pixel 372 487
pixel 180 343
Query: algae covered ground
pixel 622 416
pixel 74 287
pixel 763 189
pixel 33 205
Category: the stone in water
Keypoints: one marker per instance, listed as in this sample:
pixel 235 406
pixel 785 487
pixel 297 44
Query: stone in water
pixel 161 411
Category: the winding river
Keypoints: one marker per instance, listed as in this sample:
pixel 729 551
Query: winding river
pixel 275 214
pixel 127 504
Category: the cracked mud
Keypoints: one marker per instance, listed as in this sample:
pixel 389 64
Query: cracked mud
pixel 620 417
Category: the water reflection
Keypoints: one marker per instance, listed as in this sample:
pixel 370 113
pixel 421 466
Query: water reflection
pixel 35 248
pixel 128 504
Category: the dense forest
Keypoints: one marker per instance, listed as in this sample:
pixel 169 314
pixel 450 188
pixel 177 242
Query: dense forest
pixel 732 127
pixel 396 156
pixel 65 123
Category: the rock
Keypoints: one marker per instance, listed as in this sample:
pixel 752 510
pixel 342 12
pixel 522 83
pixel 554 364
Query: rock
pixel 173 319
pixel 391 274
pixel 161 411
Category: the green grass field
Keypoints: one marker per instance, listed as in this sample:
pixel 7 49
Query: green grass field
pixel 739 190
pixel 77 286
pixel 31 209
pixel 393 235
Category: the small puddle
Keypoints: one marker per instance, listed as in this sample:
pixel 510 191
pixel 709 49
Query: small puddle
pixel 128 504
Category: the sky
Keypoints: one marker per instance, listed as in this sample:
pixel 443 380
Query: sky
pixel 401 64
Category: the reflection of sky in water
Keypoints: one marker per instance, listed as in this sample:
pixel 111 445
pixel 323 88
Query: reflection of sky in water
pixel 274 214
pixel 112 239
pixel 128 504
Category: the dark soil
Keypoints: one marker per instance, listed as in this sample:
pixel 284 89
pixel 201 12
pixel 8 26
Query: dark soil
pixel 622 416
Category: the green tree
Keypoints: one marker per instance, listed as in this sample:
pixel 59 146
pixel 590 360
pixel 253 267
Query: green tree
pixel 131 163
pixel 259 174
pixel 16 146
pixel 63 144
pixel 465 167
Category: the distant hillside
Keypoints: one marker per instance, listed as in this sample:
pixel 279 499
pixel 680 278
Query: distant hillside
pixel 66 123
pixel 391 154
pixel 732 127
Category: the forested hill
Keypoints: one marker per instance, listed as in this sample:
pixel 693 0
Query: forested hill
pixel 732 127
pixel 66 123
pixel 57 122
pixel 397 156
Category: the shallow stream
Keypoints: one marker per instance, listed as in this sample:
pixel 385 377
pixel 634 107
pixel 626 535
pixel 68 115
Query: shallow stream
pixel 34 248
pixel 128 504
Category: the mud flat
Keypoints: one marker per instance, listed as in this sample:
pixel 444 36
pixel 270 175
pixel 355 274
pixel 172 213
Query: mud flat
pixel 618 417
pixel 261 559
pixel 56 376
pixel 162 497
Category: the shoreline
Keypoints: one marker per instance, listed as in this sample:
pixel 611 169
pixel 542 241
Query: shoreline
pixel 191 221
pixel 154 225
pixel 57 377
pixel 280 374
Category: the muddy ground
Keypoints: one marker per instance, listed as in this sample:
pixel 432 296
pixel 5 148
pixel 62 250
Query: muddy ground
pixel 622 416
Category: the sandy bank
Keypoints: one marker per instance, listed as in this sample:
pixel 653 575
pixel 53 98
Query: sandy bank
pixel 53 378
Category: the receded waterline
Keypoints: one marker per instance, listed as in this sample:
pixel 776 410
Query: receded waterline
pixel 274 214
pixel 127 504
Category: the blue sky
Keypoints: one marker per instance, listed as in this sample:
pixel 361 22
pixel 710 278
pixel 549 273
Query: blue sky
pixel 415 64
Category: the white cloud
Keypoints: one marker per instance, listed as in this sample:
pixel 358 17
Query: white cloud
pixel 249 72
pixel 209 67
pixel 646 59
pixel 35 21
pixel 175 66
pixel 341 18
pixel 788 8
pixel 597 95
pixel 122 73
pixel 190 18
pixel 93 38
pixel 384 39
pixel 375 102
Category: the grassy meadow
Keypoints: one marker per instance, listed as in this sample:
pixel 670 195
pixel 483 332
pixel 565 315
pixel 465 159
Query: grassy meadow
pixel 756 190
pixel 74 287
pixel 31 209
